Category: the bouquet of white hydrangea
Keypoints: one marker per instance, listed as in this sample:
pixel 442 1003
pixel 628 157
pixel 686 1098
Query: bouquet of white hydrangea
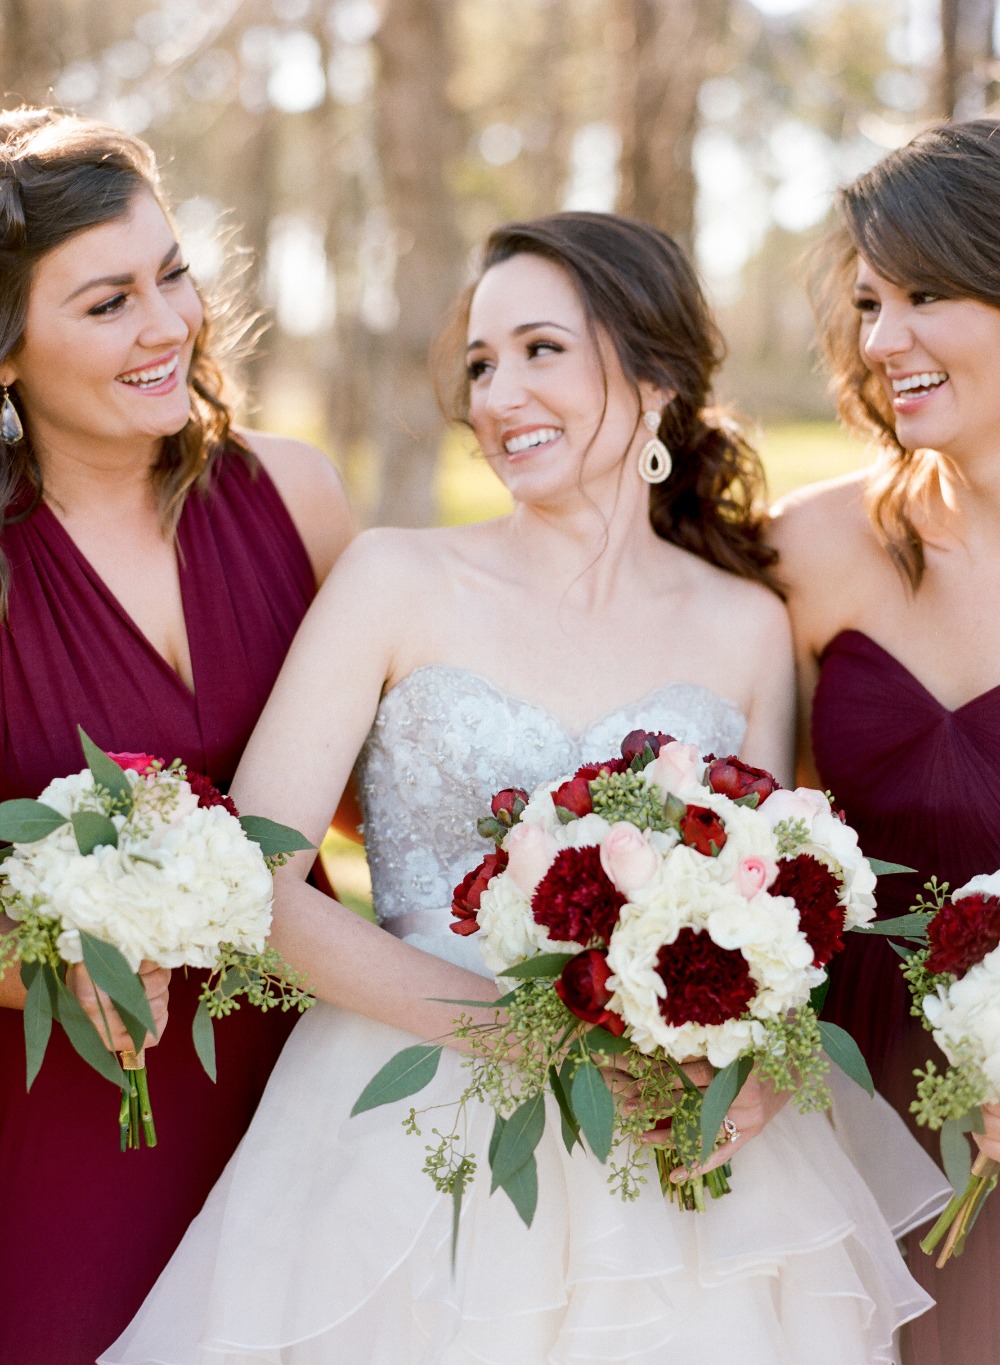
pixel 133 860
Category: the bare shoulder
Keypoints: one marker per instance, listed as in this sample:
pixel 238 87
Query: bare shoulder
pixel 817 527
pixel 742 605
pixel 311 490
pixel 393 565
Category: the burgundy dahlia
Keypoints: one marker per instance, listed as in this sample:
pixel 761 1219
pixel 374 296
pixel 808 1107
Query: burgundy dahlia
pixel 962 933
pixel 576 901
pixel 705 984
pixel 733 778
pixel 468 893
pixel 815 891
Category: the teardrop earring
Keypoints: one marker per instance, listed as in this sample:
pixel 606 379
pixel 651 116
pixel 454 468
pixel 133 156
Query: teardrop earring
pixel 655 463
pixel 11 430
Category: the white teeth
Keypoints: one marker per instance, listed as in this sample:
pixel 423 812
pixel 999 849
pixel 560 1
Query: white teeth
pixel 531 438
pixel 151 376
pixel 929 380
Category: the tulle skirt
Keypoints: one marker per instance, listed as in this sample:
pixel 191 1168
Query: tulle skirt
pixel 324 1243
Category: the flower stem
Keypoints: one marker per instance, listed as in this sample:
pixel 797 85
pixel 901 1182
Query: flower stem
pixel 135 1117
pixel 962 1211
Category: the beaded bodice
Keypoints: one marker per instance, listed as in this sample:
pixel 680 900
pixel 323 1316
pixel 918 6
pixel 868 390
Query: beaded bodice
pixel 446 739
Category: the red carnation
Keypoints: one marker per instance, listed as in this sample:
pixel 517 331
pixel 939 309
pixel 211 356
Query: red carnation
pixel 469 892
pixel 576 901
pixel 815 891
pixel 962 933
pixel 733 778
pixel 702 830
pixel 705 984
pixel 635 743
pixel 583 989
pixel 207 794
pixel 139 763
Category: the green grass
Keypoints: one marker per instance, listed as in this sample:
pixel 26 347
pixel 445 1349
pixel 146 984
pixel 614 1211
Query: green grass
pixel 797 453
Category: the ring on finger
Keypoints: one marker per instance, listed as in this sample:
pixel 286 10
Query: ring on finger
pixel 730 1129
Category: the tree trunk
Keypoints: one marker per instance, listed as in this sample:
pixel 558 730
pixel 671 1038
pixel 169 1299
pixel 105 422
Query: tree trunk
pixel 966 49
pixel 667 49
pixel 414 125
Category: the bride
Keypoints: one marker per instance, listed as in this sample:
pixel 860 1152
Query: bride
pixel 460 661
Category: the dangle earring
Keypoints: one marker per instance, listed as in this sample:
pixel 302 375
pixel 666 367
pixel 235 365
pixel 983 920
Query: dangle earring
pixel 655 463
pixel 11 430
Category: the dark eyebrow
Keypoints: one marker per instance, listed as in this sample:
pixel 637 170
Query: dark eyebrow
pixel 118 281
pixel 526 327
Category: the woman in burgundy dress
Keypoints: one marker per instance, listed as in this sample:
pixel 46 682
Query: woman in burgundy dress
pixel 895 587
pixel 153 569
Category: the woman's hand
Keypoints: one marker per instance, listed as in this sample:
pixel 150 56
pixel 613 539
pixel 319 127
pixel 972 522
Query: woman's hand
pixel 156 981
pixel 989 1139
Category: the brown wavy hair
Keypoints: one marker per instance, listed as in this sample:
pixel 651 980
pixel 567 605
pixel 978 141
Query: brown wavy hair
pixel 925 218
pixel 638 287
pixel 60 175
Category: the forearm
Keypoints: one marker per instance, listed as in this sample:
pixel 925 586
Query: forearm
pixel 352 963
pixel 12 993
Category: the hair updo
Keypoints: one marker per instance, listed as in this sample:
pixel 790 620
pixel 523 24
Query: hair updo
pixel 925 218
pixel 61 175
pixel 638 287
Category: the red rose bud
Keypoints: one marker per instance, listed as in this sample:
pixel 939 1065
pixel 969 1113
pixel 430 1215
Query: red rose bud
pixel 139 763
pixel 468 893
pixel 702 830
pixel 508 805
pixel 636 741
pixel 574 795
pixel 209 795
pixel 733 778
pixel 583 989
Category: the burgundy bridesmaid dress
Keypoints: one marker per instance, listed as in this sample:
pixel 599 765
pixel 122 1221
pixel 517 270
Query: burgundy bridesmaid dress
pixel 86 1228
pixel 919 783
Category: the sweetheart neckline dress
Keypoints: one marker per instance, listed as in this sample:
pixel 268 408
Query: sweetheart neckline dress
pixel 918 782
pixel 325 1242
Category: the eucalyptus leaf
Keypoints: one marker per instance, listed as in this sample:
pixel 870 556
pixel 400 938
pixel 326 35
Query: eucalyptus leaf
pixel 600 1040
pixel 402 1075
pixel 107 773
pixel 914 925
pixel 25 822
pixel 521 1188
pixel 594 1108
pixel 570 1127
pixel 457 1193
pixel 109 970
pixel 955 1155
pixel 884 869
pixel 841 1048
pixel 84 1037
pixel 817 996
pixel 203 1034
pixel 272 837
pixel 903 949
pixel 37 1022
pixel 29 970
pixel 495 1136
pixel 521 1133
pixel 92 829
pixel 546 964
pixel 725 1086
pixel 477 1004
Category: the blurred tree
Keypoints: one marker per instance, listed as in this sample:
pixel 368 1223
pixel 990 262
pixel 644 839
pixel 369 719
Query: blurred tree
pixel 966 56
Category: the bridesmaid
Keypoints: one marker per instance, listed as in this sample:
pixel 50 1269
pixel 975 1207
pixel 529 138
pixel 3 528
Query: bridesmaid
pixel 894 578
pixel 154 565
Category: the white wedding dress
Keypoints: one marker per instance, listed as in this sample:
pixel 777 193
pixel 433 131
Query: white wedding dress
pixel 324 1243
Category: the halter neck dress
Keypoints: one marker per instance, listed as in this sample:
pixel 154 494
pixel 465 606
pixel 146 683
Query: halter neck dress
pixel 918 782
pixel 87 1229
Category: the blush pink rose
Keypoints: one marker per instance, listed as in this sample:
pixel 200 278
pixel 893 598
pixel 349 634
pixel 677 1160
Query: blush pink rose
pixel 627 858
pixel 530 852
pixel 801 804
pixel 675 766
pixel 754 874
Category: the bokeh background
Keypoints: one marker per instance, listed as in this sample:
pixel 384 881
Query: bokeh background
pixel 350 154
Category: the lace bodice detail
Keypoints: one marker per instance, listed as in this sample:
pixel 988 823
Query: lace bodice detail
pixel 446 739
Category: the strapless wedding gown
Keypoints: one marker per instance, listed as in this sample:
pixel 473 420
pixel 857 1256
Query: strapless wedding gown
pixel 324 1243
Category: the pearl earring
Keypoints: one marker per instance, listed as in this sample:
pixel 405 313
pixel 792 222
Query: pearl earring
pixel 655 463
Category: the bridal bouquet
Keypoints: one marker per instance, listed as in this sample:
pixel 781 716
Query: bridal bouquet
pixel 955 983
pixel 132 860
pixel 651 910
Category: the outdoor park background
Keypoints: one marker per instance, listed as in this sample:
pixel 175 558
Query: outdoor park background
pixel 348 155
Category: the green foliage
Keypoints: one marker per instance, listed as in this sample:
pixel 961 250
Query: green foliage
pixel 950 1094
pixel 107 774
pixel 791 836
pixel 275 841
pixel 25 822
pixel 627 796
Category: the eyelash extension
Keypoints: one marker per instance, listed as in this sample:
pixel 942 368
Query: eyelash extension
pixel 113 304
